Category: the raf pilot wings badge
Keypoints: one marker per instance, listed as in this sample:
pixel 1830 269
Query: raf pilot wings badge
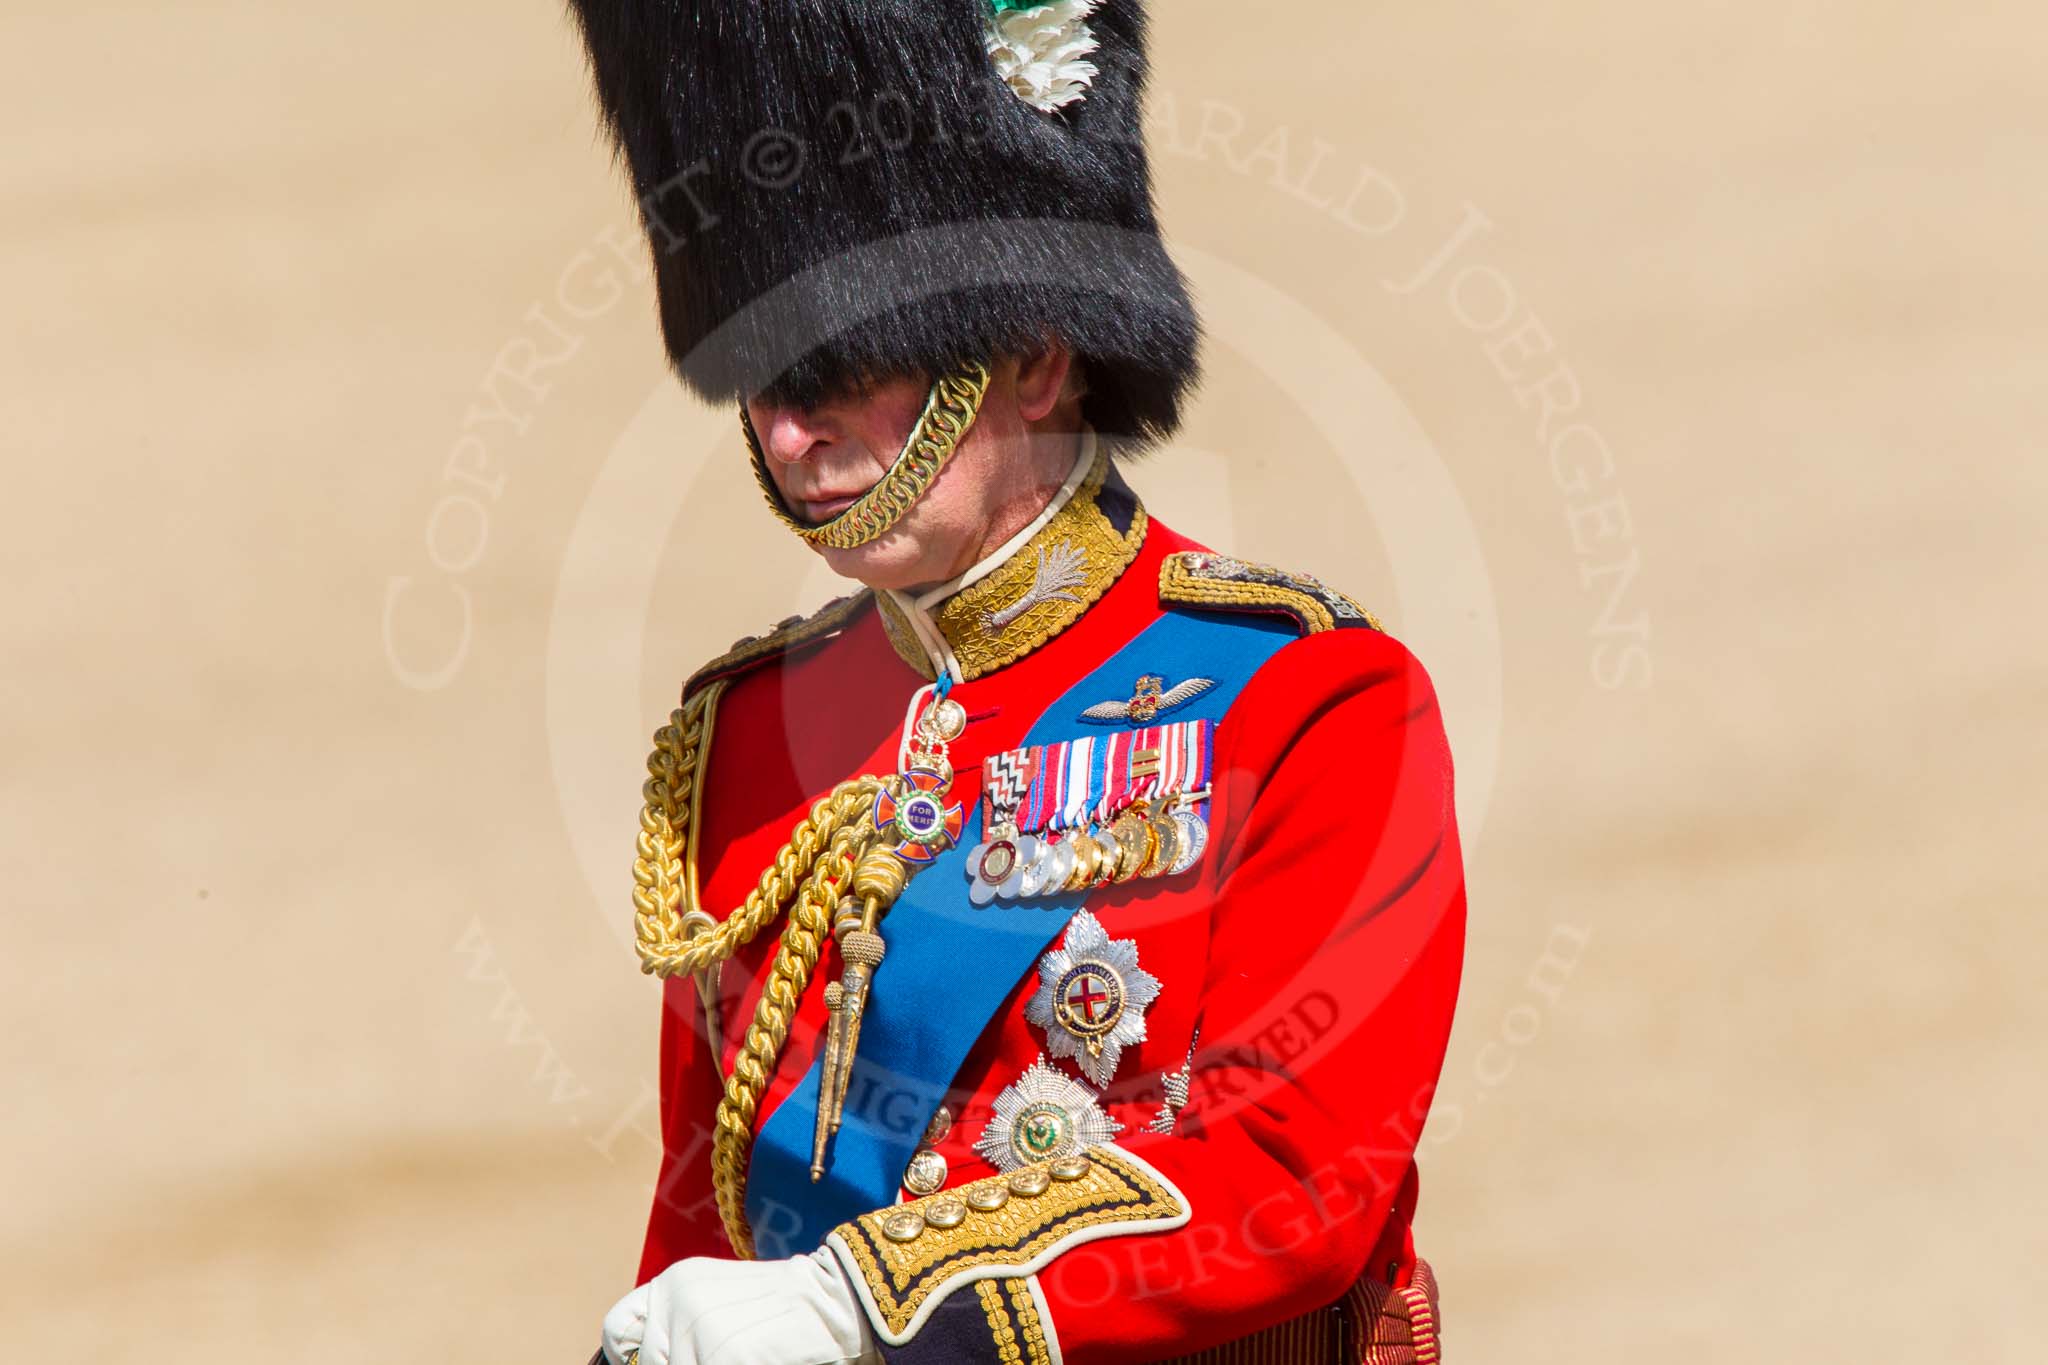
pixel 1149 698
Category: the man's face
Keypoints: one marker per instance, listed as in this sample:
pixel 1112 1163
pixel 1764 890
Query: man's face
pixel 824 458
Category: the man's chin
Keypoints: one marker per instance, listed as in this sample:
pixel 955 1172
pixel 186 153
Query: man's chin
pixel 895 562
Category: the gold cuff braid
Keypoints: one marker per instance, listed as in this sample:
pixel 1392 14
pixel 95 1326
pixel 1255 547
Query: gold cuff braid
pixel 1015 1332
pixel 1116 1194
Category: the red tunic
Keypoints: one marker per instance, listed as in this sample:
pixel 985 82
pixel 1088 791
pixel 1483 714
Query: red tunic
pixel 1317 946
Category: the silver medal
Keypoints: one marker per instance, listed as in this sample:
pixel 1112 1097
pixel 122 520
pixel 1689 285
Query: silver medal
pixel 1091 999
pixel 1041 1116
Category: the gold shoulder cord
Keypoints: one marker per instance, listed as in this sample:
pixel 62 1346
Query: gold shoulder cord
pixel 822 851
pixel 665 868
pixel 796 957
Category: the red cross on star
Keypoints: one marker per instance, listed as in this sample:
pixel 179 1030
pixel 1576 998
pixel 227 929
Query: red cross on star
pixel 1084 994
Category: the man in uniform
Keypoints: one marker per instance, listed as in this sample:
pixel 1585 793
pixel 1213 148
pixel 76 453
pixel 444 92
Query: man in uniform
pixel 1061 933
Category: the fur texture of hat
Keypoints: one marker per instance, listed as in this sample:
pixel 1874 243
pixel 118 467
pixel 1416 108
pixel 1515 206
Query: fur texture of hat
pixel 842 192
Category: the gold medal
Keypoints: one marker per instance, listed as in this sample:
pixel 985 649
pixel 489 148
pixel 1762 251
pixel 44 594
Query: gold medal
pixel 1166 830
pixel 1088 859
pixel 1136 844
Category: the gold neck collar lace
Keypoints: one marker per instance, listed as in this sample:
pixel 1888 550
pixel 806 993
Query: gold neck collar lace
pixel 1036 585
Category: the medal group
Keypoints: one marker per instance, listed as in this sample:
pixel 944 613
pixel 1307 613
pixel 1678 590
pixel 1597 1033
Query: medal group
pixel 1092 811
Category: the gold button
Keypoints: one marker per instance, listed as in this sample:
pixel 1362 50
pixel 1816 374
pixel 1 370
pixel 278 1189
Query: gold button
pixel 987 1198
pixel 926 1173
pixel 946 1212
pixel 1069 1167
pixel 941 1124
pixel 1030 1182
pixel 903 1225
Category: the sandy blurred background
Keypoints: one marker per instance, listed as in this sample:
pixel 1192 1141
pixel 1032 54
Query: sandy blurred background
pixel 354 541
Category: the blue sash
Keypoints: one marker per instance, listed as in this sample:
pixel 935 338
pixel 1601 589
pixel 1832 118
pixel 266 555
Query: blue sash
pixel 951 965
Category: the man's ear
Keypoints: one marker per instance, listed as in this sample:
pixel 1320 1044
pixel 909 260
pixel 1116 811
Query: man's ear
pixel 1041 379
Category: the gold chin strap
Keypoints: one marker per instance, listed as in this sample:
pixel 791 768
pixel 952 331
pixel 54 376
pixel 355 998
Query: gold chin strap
pixel 950 409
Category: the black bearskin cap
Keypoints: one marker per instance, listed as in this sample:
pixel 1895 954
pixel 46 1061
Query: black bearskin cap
pixel 844 190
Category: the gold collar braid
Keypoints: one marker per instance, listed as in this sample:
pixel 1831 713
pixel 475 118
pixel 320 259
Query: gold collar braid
pixel 950 409
pixel 1000 611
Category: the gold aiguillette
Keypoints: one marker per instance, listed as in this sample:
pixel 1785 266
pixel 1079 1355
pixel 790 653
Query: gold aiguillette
pixel 877 881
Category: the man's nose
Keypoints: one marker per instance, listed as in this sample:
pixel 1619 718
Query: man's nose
pixel 788 435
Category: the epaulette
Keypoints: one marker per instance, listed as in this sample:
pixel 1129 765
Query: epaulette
pixel 784 637
pixel 1197 578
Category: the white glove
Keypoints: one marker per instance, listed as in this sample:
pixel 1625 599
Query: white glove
pixel 706 1311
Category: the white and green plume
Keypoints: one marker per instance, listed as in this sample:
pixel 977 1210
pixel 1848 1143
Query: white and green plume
pixel 1041 47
